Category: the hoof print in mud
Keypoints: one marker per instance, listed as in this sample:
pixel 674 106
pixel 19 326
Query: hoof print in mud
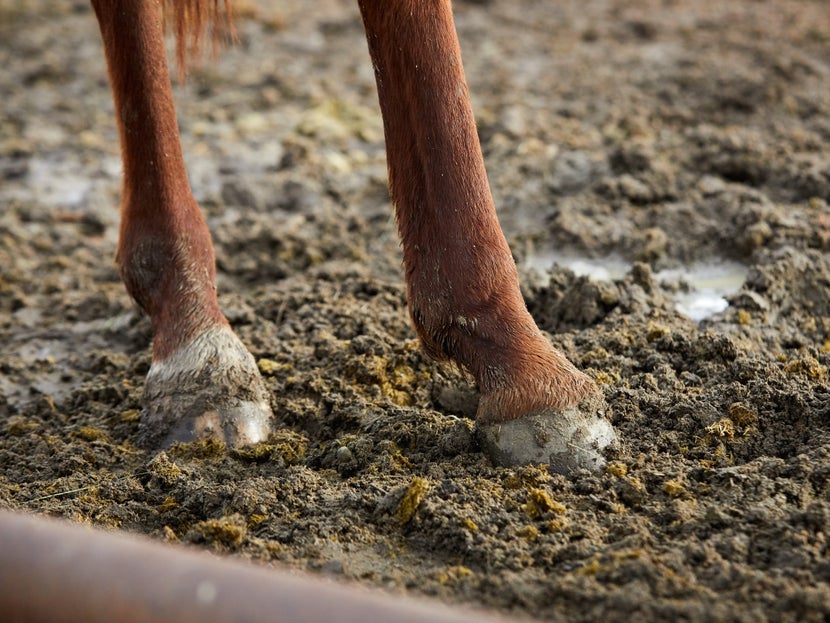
pixel 210 389
pixel 566 440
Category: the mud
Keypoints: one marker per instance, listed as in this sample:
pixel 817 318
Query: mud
pixel 661 133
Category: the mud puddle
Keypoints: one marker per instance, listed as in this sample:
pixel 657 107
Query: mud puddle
pixel 699 290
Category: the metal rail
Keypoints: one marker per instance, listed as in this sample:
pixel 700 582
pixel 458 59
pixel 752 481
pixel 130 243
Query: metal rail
pixel 58 572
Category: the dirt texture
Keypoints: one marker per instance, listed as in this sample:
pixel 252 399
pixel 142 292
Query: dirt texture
pixel 662 132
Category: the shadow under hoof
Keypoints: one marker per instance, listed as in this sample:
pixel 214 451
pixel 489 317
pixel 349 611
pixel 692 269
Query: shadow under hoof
pixel 567 440
pixel 209 389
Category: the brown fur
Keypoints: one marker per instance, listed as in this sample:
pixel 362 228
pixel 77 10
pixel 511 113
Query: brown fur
pixel 462 283
pixel 165 254
pixel 191 19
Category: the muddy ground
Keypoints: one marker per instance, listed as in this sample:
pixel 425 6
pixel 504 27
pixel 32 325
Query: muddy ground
pixel 662 133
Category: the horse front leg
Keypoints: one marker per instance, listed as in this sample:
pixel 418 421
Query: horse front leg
pixel 462 283
pixel 203 382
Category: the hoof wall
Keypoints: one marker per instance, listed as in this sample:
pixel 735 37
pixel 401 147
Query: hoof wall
pixel 210 389
pixel 567 440
pixel 236 423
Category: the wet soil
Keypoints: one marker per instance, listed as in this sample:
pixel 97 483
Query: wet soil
pixel 659 132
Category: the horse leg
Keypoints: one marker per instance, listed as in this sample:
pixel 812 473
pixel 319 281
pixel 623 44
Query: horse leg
pixel 462 283
pixel 202 381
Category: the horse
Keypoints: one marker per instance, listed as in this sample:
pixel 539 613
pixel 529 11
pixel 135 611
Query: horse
pixel 462 284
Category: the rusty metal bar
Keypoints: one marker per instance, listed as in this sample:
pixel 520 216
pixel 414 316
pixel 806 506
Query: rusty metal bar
pixel 58 572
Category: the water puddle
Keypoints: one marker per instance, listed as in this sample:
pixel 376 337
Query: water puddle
pixel 704 285
pixel 58 181
pixel 709 284
pixel 45 360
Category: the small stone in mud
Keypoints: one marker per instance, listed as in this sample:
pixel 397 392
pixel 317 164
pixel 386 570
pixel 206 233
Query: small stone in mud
pixel 344 455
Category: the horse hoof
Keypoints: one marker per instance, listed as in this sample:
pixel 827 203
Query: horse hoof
pixel 208 389
pixel 566 440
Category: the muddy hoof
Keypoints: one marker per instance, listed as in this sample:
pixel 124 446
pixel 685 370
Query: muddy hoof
pixel 567 440
pixel 209 389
